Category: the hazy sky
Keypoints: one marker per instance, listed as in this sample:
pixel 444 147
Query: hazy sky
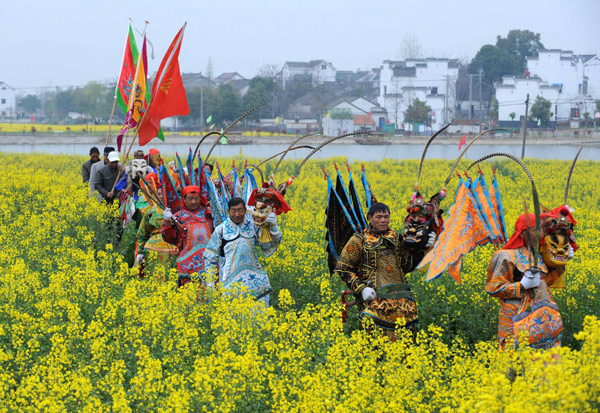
pixel 68 43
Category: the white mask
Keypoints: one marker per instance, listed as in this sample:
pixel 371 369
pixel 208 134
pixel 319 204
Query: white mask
pixel 138 168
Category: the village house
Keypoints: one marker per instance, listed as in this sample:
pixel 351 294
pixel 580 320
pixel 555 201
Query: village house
pixel 512 92
pixel 353 115
pixel 8 100
pixel 315 72
pixel 192 80
pixel 578 77
pixel 570 82
pixel 431 80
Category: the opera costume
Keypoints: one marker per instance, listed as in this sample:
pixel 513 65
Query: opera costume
pixel 189 230
pixel 232 253
pixel 149 235
pixel 380 260
pixel 526 302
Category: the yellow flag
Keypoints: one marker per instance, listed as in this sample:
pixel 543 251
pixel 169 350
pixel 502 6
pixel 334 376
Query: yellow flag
pixel 138 106
pixel 277 119
pixel 328 115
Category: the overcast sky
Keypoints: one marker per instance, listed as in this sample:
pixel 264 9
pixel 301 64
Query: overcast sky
pixel 68 43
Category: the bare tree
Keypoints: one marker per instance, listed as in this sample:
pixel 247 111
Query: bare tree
pixel 268 70
pixel 410 47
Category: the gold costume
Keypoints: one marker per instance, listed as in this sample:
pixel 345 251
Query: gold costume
pixel 380 261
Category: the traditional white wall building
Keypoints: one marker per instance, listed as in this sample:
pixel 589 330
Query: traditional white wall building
pixel 366 115
pixel 431 80
pixel 577 76
pixel 8 100
pixel 315 71
pixel 512 92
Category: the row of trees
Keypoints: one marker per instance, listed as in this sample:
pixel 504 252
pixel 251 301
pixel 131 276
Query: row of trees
pixel 223 104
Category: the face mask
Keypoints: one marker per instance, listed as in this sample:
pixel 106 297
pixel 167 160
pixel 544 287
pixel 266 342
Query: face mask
pixel 138 168
pixel 555 249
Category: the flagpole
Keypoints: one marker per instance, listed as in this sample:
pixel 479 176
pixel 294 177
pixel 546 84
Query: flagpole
pixel 112 112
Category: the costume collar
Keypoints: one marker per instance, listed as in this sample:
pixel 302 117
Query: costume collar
pixel 247 229
pixel 520 258
pixel 374 238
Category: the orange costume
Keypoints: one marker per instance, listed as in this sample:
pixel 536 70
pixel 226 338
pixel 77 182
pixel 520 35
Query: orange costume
pixel 533 310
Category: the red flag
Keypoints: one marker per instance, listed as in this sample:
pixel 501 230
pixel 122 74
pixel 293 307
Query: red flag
pixel 168 95
pixel 125 83
pixel 463 140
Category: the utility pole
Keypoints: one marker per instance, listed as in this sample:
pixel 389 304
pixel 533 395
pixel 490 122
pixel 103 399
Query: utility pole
pixel 525 127
pixel 480 100
pixel 446 101
pixel 470 95
pixel 201 107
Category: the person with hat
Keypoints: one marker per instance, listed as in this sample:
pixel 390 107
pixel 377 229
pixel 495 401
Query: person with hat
pixel 94 172
pixel 106 178
pixel 189 229
pixel 154 159
pixel 87 165
pixel 523 290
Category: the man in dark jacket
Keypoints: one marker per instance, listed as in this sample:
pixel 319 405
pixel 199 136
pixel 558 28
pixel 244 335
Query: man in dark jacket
pixel 106 177
pixel 94 173
pixel 87 166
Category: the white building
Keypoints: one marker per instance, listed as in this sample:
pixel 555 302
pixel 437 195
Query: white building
pixel 315 72
pixel 577 76
pixel 431 80
pixel 352 115
pixel 512 92
pixel 8 100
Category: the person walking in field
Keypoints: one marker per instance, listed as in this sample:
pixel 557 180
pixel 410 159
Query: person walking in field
pixel 189 229
pixel 523 290
pixel 373 265
pixel 231 251
pixel 94 173
pixel 106 178
pixel 86 168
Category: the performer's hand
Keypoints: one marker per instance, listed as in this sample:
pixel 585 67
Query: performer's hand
pixel 431 239
pixel 530 280
pixel 139 258
pixel 167 214
pixel 368 294
pixel 571 252
pixel 110 195
pixel 271 219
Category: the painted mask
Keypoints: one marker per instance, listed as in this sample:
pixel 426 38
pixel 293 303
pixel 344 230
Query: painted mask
pixel 138 168
pixel 419 223
pixel 555 249
pixel 156 159
pixel 262 209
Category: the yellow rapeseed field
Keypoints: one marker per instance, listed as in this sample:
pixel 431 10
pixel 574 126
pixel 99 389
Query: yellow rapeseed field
pixel 90 128
pixel 80 331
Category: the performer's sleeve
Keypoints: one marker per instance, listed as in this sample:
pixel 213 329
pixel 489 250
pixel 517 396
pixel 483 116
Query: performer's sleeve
pixel 555 277
pixel 144 232
pixel 348 264
pixel 268 248
pixel 500 282
pixel 170 233
pixel 211 252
